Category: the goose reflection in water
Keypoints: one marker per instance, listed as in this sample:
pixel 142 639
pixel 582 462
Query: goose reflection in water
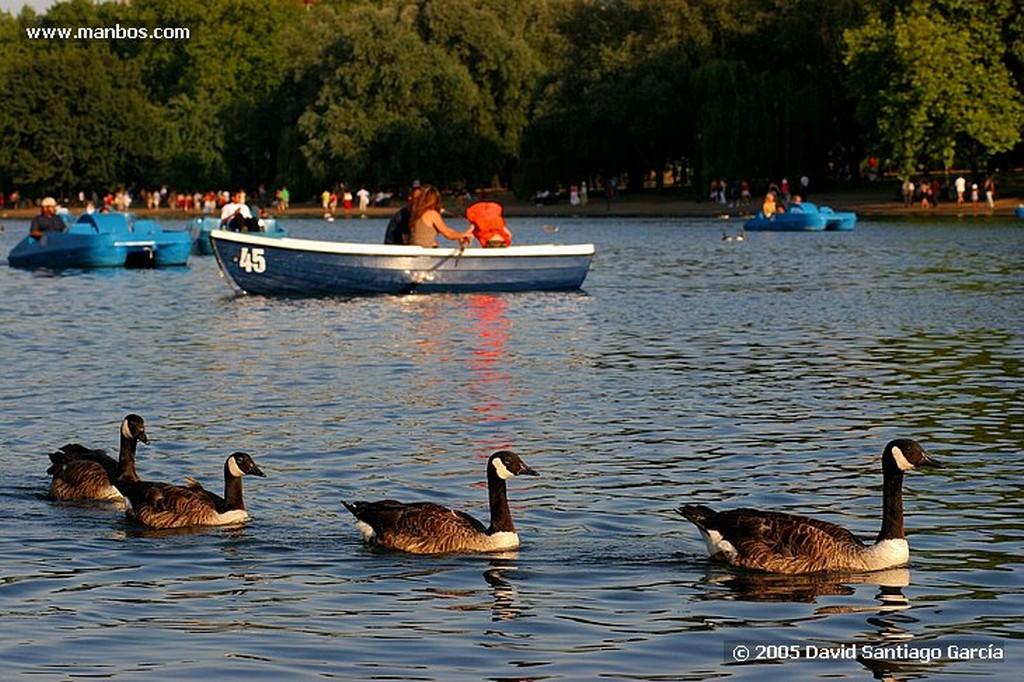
pixel 805 588
pixel 236 532
pixel 505 604
pixel 502 599
pixel 889 623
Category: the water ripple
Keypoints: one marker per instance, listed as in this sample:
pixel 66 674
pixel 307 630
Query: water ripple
pixel 766 373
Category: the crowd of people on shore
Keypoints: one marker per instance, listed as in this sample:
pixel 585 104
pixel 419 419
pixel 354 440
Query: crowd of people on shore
pixel 739 192
pixel 929 191
pixel 208 202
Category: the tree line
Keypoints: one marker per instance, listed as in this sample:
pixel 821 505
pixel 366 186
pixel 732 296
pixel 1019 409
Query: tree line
pixel 531 94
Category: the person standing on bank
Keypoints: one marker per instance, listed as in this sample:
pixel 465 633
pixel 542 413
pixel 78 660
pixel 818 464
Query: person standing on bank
pixel 47 220
pixel 425 221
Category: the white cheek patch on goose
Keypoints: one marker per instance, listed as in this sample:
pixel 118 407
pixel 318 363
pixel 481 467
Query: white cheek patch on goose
pixel 501 469
pixel 233 468
pixel 125 430
pixel 901 460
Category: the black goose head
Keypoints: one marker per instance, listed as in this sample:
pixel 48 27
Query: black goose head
pixel 133 427
pixel 241 464
pixel 506 464
pixel 904 454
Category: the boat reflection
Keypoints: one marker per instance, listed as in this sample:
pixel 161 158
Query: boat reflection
pixel 491 328
pixel 485 329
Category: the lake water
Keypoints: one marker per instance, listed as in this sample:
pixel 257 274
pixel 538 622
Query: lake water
pixel 767 373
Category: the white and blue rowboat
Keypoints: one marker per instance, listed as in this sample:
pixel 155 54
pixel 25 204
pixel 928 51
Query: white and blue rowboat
pixel 287 266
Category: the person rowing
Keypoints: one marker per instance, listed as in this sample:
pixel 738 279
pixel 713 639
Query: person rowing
pixel 426 223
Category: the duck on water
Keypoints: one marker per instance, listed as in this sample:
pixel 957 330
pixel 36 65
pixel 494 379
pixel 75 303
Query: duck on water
pixel 163 505
pixel 787 543
pixel 428 528
pixel 81 473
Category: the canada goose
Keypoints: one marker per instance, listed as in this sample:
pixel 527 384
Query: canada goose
pixel 427 528
pixel 787 543
pixel 80 473
pixel 162 505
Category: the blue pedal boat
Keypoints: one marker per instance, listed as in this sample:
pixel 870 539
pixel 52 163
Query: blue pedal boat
pixel 803 217
pixel 104 240
pixel 1019 211
pixel 286 266
pixel 201 227
pixel 838 220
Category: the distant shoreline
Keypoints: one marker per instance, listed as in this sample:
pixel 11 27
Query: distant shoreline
pixel 875 201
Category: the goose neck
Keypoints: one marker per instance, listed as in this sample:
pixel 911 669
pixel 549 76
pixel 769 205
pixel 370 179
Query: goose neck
pixel 126 459
pixel 892 505
pixel 232 491
pixel 501 517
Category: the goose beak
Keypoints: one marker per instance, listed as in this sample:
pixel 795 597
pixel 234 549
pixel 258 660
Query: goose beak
pixel 527 471
pixel 143 438
pixel 930 461
pixel 256 471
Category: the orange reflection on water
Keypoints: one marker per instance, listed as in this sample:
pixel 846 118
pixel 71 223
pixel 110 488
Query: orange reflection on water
pixel 487 359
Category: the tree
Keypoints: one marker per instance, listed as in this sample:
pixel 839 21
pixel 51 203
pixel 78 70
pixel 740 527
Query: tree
pixel 219 89
pixel 616 100
pixel 73 117
pixel 9 34
pixel 932 82
pixel 432 91
pixel 492 41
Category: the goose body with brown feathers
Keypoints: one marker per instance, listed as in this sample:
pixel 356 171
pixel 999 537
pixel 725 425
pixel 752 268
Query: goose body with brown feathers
pixel 428 528
pixel 81 473
pixel 163 505
pixel 788 543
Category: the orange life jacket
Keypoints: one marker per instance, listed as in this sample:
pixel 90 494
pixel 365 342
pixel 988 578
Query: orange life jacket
pixel 488 222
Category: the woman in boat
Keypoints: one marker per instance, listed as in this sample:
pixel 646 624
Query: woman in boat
pixel 769 208
pixel 425 221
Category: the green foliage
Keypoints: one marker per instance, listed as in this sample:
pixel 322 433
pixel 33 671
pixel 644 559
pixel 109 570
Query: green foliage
pixel 219 89
pixel 616 101
pixel 439 91
pixel 538 92
pixel 73 118
pixel 931 80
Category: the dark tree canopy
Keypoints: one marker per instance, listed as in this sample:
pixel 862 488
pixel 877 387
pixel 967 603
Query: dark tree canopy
pixel 538 93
